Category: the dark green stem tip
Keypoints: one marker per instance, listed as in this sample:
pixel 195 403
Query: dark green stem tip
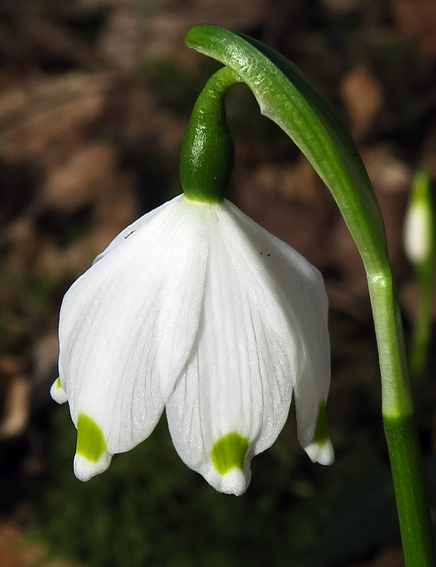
pixel 208 152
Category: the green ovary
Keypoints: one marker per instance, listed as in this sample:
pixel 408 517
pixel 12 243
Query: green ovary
pixel 321 435
pixel 229 452
pixel 90 439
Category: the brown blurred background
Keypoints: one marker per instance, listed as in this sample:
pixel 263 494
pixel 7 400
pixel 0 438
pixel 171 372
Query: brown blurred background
pixel 95 96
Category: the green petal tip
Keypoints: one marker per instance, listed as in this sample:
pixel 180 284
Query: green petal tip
pixel 90 439
pixel 229 452
pixel 321 434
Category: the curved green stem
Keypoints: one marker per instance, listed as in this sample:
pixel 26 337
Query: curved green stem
pixel 208 152
pixel 288 98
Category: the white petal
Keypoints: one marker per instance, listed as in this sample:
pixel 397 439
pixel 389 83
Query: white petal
pixel 128 324
pixel 417 231
pixel 321 453
pixel 301 290
pixel 58 393
pixel 91 456
pixel 250 350
pixel 235 481
pixel 85 469
pixel 135 226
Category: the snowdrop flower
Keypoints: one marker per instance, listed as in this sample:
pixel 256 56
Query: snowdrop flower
pixel 196 309
pixel 419 221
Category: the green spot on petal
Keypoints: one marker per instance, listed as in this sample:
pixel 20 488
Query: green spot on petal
pixel 229 452
pixel 321 435
pixel 58 383
pixel 90 440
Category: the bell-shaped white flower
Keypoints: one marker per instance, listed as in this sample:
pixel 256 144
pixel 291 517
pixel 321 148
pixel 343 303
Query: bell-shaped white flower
pixel 197 309
pixel 419 223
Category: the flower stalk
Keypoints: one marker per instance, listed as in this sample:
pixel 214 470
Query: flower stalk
pixel 208 152
pixel 288 98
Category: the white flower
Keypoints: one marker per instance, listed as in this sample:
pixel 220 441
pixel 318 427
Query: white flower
pixel 418 231
pixel 419 222
pixel 197 309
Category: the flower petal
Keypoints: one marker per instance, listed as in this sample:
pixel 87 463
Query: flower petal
pixel 301 292
pixel 91 455
pixel 238 381
pixel 320 450
pixel 57 392
pixel 263 331
pixel 321 453
pixel 128 324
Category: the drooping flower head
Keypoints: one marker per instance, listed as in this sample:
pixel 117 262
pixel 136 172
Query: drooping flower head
pixel 196 309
